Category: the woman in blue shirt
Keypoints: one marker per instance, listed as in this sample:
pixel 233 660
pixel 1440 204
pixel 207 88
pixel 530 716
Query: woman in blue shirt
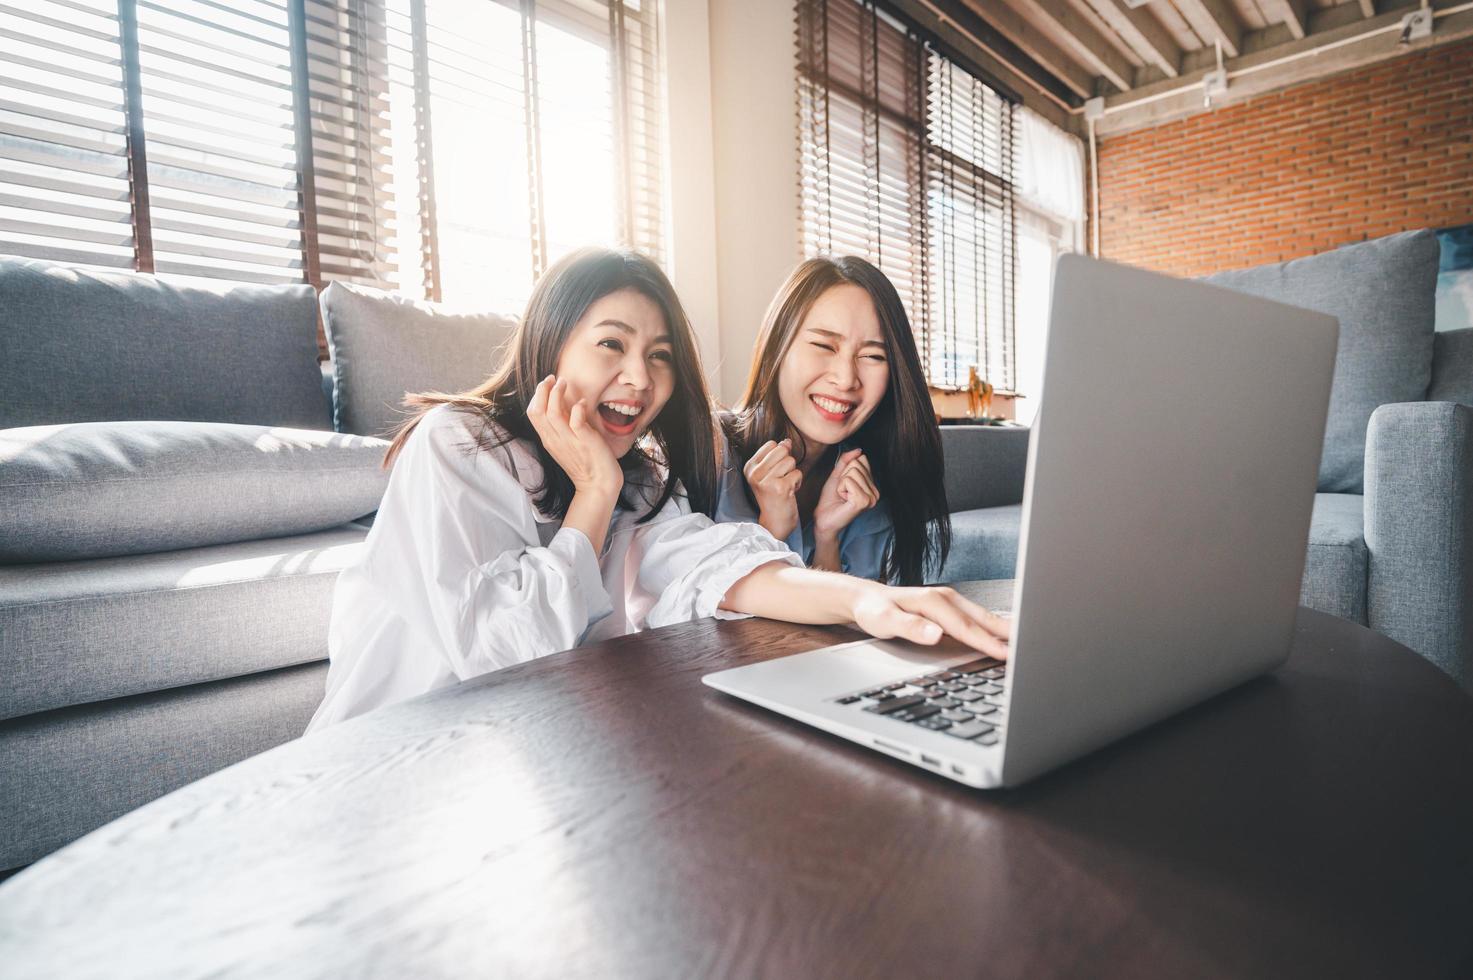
pixel 833 446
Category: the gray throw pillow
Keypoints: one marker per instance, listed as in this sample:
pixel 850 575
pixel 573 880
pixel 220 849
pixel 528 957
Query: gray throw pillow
pixel 384 346
pixel 77 345
pixel 1452 367
pixel 1383 293
pixel 99 489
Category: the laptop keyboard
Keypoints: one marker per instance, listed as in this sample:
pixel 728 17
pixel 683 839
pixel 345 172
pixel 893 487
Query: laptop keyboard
pixel 964 701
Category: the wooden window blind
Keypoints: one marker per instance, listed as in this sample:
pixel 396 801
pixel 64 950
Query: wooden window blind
pixel 433 146
pixel 907 159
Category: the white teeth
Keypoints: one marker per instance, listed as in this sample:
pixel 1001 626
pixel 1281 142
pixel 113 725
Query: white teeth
pixel 829 405
pixel 630 410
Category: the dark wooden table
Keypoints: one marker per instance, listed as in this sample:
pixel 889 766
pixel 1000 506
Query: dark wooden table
pixel 602 813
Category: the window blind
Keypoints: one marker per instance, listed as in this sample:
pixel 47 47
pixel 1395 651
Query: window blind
pixel 64 191
pixel 907 159
pixel 218 120
pixel 349 118
pixel 555 106
pixel 449 148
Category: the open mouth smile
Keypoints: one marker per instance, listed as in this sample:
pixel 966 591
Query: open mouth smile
pixel 620 417
pixel 832 409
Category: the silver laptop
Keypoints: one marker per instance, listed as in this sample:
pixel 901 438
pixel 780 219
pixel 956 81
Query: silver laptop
pixel 1171 474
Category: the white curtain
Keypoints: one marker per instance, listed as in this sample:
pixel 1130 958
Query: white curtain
pixel 1049 184
pixel 1050 175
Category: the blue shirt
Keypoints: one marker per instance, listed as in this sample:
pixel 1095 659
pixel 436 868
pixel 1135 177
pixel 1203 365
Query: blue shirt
pixel 861 545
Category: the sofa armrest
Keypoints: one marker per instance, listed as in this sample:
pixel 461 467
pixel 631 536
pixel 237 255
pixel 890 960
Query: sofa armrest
pixel 985 465
pixel 1419 530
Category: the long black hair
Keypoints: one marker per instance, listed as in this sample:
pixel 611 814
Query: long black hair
pixel 901 438
pixel 681 437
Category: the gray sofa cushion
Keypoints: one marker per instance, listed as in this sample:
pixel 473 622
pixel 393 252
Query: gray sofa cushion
pixel 385 345
pixel 84 346
pixel 985 465
pixel 65 773
pixel 1452 367
pixel 96 489
pixel 984 544
pixel 1383 293
pixel 77 632
pixel 1336 568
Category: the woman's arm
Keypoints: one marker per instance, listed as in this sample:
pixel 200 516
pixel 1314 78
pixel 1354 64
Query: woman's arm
pixel 457 555
pixel 583 455
pixel 848 492
pixel 921 615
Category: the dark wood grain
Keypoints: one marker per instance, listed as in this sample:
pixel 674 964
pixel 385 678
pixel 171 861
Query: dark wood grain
pixel 602 813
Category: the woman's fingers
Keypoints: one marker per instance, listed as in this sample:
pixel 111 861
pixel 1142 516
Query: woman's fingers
pixel 855 489
pixel 771 463
pixel 967 622
pixel 555 418
pixel 538 403
pixel 537 408
pixel 781 466
pixel 578 421
pixel 999 626
pixel 757 458
pixel 912 627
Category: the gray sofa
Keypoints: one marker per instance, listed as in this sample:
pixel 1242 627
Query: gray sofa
pixel 179 487
pixel 174 509
pixel 1391 539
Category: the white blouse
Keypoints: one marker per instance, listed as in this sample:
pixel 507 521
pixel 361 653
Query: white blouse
pixel 462 574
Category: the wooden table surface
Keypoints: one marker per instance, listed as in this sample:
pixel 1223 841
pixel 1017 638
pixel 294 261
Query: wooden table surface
pixel 603 813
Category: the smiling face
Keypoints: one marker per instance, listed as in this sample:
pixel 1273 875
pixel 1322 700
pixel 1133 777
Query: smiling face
pixel 836 371
pixel 619 362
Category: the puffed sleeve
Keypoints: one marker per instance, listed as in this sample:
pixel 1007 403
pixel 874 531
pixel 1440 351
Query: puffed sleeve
pixel 466 529
pixel 689 563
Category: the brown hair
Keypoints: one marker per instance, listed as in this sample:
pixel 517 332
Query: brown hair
pixel 681 437
pixel 901 438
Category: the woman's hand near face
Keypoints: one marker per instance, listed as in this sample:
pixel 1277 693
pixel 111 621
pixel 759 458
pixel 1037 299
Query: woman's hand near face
pixel 773 475
pixel 849 491
pixel 561 421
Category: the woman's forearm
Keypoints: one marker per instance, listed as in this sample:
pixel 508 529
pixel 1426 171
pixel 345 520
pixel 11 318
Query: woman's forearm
pixel 826 556
pixel 591 512
pixel 796 595
pixel 921 615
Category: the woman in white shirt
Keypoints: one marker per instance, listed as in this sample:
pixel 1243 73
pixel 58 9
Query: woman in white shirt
pixel 566 499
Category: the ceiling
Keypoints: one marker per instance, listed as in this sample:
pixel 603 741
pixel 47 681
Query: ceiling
pixel 1149 60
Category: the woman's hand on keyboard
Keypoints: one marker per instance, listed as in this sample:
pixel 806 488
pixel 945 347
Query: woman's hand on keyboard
pixel 924 615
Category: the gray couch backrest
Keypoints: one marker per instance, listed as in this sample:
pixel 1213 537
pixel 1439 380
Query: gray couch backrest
pixel 1383 292
pixel 83 346
pixel 985 465
pixel 1452 367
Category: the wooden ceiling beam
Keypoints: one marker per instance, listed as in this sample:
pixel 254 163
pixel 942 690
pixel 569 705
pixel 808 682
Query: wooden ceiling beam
pixel 1034 43
pixel 1290 13
pixel 1143 32
pixel 1324 52
pixel 1213 20
pixel 1088 46
pixel 979 48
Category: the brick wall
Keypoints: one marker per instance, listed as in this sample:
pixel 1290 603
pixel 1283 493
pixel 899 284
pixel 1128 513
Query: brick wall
pixel 1381 149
